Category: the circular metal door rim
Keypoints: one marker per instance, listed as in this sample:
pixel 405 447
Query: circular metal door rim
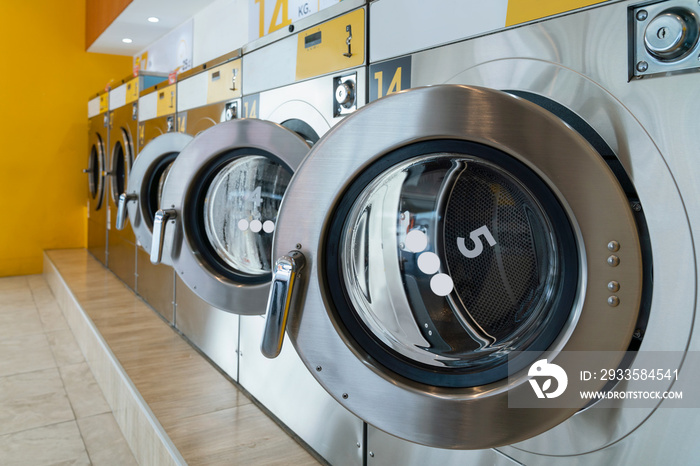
pixel 649 172
pixel 457 112
pixel 98 143
pixel 128 154
pixel 207 146
pixel 149 156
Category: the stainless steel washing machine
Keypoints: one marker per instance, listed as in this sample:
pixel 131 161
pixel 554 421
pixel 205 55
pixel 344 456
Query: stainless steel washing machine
pixel 325 82
pixel 225 191
pixel 207 95
pixel 123 127
pixel 441 245
pixel 157 119
pixel 98 144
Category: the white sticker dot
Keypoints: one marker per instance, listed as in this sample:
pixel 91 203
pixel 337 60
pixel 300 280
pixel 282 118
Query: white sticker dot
pixel 429 263
pixel 441 284
pixel 243 224
pixel 269 226
pixel 416 241
pixel 255 226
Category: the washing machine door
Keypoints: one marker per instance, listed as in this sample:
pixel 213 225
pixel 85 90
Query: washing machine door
pixel 96 171
pixel 437 245
pixel 220 206
pixel 142 199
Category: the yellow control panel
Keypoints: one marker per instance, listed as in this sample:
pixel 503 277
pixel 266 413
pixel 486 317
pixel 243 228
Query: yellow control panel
pixel 104 102
pixel 522 11
pixel 335 45
pixel 224 82
pixel 132 90
pixel 166 100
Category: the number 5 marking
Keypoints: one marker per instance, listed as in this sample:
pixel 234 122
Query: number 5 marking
pixel 478 243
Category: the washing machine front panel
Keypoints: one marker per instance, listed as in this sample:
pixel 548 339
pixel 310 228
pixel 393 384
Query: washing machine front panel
pixel 122 242
pixel 650 138
pixel 327 332
pixel 98 145
pixel 225 190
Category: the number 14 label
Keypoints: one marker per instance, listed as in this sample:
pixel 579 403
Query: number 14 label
pixel 389 77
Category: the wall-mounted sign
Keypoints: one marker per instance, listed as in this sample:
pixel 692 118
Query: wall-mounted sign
pixel 171 53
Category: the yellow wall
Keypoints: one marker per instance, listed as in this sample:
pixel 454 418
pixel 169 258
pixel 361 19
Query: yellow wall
pixel 46 79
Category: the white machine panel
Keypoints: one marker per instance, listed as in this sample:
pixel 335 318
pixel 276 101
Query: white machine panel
pixel 117 97
pixel 148 106
pixel 93 107
pixel 400 27
pixel 270 67
pixel 192 92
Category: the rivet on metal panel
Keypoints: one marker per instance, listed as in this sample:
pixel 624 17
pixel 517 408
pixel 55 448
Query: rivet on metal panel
pixel 345 396
pixel 614 246
pixel 614 286
pixel 319 368
pixel 613 301
pixel 298 246
pixel 371 453
pixel 613 261
pixel 642 15
pixel 642 66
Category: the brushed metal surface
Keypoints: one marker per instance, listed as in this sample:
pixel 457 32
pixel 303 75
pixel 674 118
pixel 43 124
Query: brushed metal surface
pixel 199 276
pixel 386 450
pixel 213 331
pixel 394 404
pixel 645 122
pixel 98 136
pixel 121 247
pixel 309 101
pixel 156 285
pixel 202 118
pixel 292 394
pixel 149 156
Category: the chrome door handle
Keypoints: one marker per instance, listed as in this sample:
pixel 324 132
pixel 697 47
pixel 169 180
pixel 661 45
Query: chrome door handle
pixel 159 221
pixel 282 298
pixel 121 209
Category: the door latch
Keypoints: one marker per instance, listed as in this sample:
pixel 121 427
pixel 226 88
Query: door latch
pixel 348 29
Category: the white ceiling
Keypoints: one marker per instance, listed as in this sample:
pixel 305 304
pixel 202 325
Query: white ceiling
pixel 133 23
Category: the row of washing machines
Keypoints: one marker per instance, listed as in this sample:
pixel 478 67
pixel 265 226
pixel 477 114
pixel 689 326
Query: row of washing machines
pixel 388 279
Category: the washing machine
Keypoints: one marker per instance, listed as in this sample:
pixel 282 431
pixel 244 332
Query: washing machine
pixel 207 95
pixel 463 263
pixel 225 190
pixel 98 144
pixel 123 126
pixel 157 133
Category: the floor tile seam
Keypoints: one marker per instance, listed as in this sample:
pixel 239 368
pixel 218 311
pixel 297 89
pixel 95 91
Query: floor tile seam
pixel 121 373
pixel 53 424
pixel 30 372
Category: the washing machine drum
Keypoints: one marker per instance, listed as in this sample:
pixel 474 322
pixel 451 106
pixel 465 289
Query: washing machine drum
pixel 447 262
pixel 219 211
pixel 458 235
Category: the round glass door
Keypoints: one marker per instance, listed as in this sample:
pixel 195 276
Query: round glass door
pixel 451 261
pixel 435 246
pixel 239 213
pixel 221 200
pixel 146 181
pixel 94 172
pixel 122 159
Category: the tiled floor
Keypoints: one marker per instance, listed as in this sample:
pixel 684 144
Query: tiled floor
pixel 51 409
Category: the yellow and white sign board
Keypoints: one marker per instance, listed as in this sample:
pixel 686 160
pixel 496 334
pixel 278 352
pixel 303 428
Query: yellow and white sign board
pixel 266 16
